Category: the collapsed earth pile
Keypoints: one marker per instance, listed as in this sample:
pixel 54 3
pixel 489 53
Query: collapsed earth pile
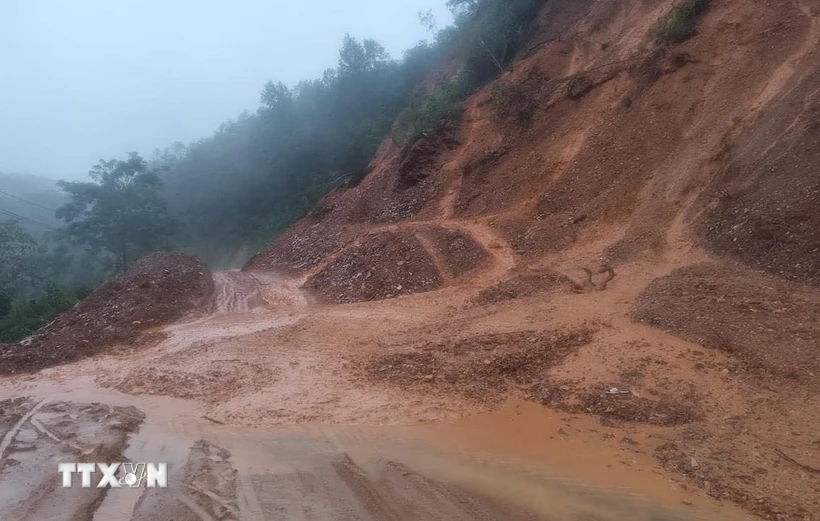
pixel 158 289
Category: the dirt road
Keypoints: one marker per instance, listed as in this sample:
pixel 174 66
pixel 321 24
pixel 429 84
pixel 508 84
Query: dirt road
pixel 314 472
pixel 295 428
pixel 277 406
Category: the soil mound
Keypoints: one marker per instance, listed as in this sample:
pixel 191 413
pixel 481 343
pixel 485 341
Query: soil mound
pixel 385 265
pixel 158 289
pixel 770 325
pixel 458 251
pixel 301 247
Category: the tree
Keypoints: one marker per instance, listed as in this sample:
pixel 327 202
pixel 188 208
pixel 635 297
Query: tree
pixel 17 248
pixel 121 210
pixel 357 57
pixel 428 20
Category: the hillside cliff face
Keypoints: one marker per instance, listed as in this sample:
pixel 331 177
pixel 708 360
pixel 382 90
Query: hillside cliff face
pixel 692 170
pixel 598 130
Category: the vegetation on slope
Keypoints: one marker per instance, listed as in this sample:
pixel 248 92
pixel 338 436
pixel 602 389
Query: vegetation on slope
pixel 224 196
pixel 258 174
pixel 36 282
pixel 680 23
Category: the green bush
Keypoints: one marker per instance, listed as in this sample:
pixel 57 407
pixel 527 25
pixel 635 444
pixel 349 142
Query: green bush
pixel 425 109
pixel 679 24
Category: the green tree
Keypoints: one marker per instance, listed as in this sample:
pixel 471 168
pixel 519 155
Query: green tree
pixel 239 188
pixel 121 211
pixel 357 57
pixel 29 315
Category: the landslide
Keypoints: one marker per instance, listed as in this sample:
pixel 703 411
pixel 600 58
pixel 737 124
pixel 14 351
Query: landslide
pixel 690 166
pixel 158 289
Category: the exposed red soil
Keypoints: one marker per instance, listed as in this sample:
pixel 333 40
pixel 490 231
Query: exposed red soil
pixel 599 146
pixel 300 247
pixel 729 460
pixel 158 289
pixel 383 266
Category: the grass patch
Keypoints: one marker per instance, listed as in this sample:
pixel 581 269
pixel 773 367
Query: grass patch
pixel 680 23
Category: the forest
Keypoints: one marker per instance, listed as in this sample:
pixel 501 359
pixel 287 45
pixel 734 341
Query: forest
pixel 225 196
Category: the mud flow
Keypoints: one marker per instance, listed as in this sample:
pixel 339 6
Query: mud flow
pixel 459 471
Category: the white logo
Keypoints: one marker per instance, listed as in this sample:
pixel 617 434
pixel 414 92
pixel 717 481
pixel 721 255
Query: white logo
pixel 116 475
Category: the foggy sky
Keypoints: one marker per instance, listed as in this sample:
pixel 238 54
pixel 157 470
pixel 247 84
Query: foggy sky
pixel 83 80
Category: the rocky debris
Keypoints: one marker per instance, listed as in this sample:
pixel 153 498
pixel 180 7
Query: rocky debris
pixel 158 289
pixel 763 203
pixel 614 405
pixel 646 234
pixel 301 247
pixel 489 158
pixel 522 286
pixel 385 265
pixel 459 252
pixel 483 367
pixel 418 157
pixel 409 181
pixel 725 479
pixel 770 325
pixel 399 185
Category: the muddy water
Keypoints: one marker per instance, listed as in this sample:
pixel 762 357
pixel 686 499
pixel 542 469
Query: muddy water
pixel 521 462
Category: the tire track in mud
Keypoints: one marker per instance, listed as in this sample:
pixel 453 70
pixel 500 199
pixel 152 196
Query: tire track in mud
pixel 237 292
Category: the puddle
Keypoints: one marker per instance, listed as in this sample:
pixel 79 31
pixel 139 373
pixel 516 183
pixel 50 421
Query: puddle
pixel 522 458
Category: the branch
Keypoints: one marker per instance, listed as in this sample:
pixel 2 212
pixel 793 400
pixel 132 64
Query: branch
pixel 492 56
pixel 791 460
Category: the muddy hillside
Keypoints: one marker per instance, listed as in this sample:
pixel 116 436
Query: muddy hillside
pixel 125 312
pixel 609 259
pixel 656 196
